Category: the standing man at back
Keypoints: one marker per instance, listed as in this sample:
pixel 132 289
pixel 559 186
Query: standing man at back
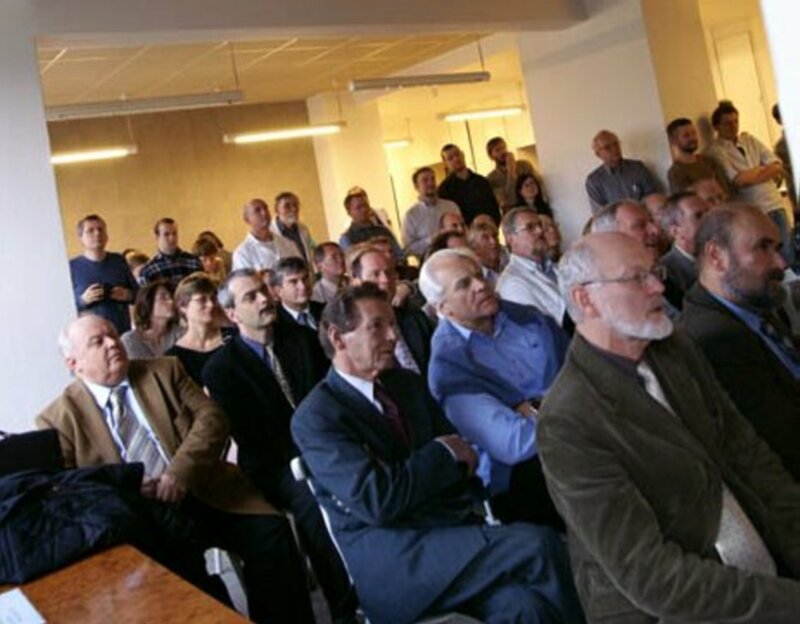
pixel 101 280
pixel 503 177
pixel 471 191
pixel 687 165
pixel 421 222
pixel 617 178
pixel 170 262
pixel 261 249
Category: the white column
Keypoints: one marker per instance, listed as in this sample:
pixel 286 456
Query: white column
pixel 780 19
pixel 598 74
pixel 35 293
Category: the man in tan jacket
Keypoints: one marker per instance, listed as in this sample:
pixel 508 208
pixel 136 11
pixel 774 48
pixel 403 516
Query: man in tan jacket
pixel 150 411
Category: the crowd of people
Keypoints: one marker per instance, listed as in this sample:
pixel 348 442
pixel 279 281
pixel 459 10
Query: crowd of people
pixel 494 427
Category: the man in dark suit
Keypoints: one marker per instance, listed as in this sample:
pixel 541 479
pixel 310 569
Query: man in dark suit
pixel 150 411
pixel 733 314
pixel 291 283
pixel 680 218
pixel 397 485
pixel 258 378
pixel 413 346
pixel 675 509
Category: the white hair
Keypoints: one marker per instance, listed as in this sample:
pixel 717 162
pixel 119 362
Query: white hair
pixel 429 284
pixel 606 219
pixel 577 266
pixel 65 340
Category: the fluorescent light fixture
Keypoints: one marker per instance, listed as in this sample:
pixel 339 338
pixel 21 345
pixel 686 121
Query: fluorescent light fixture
pixel 484 114
pixel 396 144
pixel 137 106
pixel 282 135
pixel 105 153
pixel 422 80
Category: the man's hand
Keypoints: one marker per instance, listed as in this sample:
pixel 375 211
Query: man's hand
pixel 120 293
pixel 403 292
pixel 148 488
pixel 463 452
pixel 511 166
pixel 526 410
pixel 168 490
pixel 93 294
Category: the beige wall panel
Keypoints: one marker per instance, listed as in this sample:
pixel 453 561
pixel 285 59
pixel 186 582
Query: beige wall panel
pixel 184 170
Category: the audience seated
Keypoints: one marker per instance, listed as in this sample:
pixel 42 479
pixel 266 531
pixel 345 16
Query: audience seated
pixel 530 276
pixel 155 322
pixel 412 348
pixel 136 259
pixel 688 166
pixel 617 178
pixel 151 412
pixel 396 483
pixel 681 216
pixel 632 219
pixel 469 190
pixel 261 249
pixel 552 236
pixel 483 241
pixel 363 224
pixel 491 364
pixel 506 174
pixel 170 262
pixel 258 379
pixel 291 284
pixel 287 224
pixel 227 256
pixel 208 252
pixel 102 283
pixel 710 191
pixel 447 240
pixel 422 221
pixel 196 301
pixel 452 222
pixel 527 194
pixel 675 510
pixel 329 260
pixel 734 315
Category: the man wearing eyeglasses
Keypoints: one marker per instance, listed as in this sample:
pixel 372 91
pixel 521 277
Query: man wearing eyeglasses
pixel 676 510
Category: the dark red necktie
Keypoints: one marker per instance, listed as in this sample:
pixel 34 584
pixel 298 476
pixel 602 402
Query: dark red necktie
pixel 392 415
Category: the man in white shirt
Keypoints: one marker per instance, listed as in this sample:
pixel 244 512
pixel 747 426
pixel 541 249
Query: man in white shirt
pixel 421 222
pixel 530 277
pixel 261 249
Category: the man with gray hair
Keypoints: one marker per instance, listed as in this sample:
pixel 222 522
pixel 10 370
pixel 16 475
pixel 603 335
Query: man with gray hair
pixel 735 316
pixel 680 218
pixel 530 276
pixel 617 178
pixel 491 363
pixel 676 510
pixel 631 218
pixel 150 411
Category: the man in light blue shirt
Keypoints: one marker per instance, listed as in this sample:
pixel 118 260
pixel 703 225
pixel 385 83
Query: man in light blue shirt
pixel 492 361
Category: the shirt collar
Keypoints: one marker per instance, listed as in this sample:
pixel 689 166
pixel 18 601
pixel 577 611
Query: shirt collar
pixel 545 265
pixel 500 320
pixel 284 229
pixel 365 387
pixel 750 317
pixel 255 345
pixel 685 253
pixel 296 313
pixel 101 393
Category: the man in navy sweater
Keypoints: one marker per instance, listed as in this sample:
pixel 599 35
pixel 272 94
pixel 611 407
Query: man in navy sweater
pixel 101 281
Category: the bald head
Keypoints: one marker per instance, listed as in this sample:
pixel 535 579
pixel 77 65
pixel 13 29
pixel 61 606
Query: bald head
pixel 93 351
pixel 607 148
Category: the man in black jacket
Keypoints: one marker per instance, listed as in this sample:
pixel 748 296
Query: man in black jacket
pixel 734 315
pixel 259 378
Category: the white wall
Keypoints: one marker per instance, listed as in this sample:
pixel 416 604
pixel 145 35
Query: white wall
pixel 34 291
pixel 596 75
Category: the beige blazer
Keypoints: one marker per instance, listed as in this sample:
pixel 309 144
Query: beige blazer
pixel 191 428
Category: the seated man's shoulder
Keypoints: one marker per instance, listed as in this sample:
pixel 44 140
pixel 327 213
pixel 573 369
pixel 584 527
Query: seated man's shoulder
pixel 526 315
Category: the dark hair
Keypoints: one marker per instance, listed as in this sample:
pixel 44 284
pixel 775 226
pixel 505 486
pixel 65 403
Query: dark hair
pixel 145 302
pixel 287 266
pixel 204 247
pixel 162 221
pixel 319 251
pixel 441 241
pixel 194 284
pixel 448 146
pixel 342 312
pixel 539 202
pixel 355 262
pixel 419 172
pixel 717 227
pixel 671 213
pixel 285 195
pixel 492 143
pixel 91 217
pixel 725 107
pixel 675 124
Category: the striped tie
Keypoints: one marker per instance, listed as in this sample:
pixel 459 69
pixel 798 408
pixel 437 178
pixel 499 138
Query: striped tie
pixel 139 446
pixel 280 376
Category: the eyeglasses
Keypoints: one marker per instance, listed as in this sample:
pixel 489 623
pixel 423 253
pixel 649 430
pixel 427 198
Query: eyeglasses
pixel 658 272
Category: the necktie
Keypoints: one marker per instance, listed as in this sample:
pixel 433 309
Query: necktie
pixel 139 446
pixel 392 415
pixel 280 376
pixel 738 542
pixel 302 319
pixel 776 331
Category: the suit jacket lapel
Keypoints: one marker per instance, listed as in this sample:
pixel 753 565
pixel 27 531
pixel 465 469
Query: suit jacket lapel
pixel 93 424
pixel 152 396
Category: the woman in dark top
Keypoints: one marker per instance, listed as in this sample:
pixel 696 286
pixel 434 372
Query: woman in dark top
pixel 530 195
pixel 196 299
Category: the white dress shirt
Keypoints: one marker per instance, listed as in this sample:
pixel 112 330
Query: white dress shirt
pixel 523 281
pixel 260 255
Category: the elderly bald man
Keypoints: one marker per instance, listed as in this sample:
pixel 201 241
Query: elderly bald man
pixel 676 510
pixel 150 411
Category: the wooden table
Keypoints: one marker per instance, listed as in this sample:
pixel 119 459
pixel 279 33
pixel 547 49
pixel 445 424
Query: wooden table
pixel 122 586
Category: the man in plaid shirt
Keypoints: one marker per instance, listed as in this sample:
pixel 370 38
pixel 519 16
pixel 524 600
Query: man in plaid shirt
pixel 170 262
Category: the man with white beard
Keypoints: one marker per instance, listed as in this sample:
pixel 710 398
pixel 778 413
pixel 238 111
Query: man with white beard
pixel 676 510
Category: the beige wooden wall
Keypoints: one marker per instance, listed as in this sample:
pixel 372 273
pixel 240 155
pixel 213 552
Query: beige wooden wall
pixel 183 170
